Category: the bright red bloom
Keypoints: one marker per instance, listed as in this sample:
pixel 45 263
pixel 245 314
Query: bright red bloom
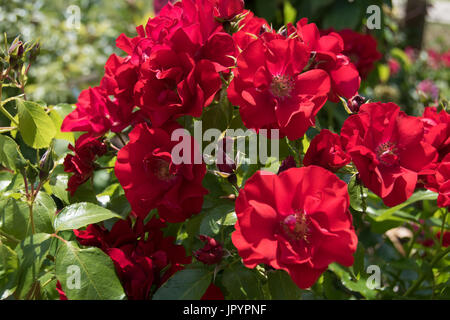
pixel 211 253
pixel 271 90
pixel 326 151
pixel 143 257
pixel 96 113
pixel 81 164
pixel 388 148
pixel 150 178
pixel 228 9
pixel 361 49
pixel 329 56
pixel 213 293
pixel 180 55
pixel 443 181
pixel 250 28
pixel 297 221
pixel 437 130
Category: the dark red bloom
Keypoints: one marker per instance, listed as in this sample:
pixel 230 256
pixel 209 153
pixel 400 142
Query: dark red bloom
pixel 355 103
pixel 329 56
pixel 81 164
pixel 224 161
pixel 326 151
pixel 297 221
pixel 211 253
pixel 437 130
pixel 143 257
pixel 273 92
pixel 361 49
pixel 388 148
pixel 287 163
pixel 213 293
pixel 151 179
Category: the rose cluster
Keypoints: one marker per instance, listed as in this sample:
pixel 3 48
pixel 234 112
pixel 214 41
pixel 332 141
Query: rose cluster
pixel 188 57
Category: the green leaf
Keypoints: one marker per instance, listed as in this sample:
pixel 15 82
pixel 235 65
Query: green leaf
pixel 242 283
pixel 222 215
pixel 57 121
pixel 187 284
pixel 8 269
pixel 10 155
pixel 353 284
pixel 31 254
pixel 290 13
pixel 35 126
pixel 44 210
pixel 282 287
pixel 79 215
pixel 387 214
pixel 358 265
pixel 14 218
pixel 97 277
pixel 343 15
pixel 383 72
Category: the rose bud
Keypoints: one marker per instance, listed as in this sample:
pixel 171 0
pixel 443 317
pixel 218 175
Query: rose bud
pixel 211 253
pixel 287 163
pixel 355 103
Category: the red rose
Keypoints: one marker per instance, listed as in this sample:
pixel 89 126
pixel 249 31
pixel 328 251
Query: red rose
pixel 297 221
pixel 326 151
pixel 443 181
pixel 211 253
pixel 329 56
pixel 361 49
pixel 96 113
pixel 228 9
pixel 437 130
pixel 271 90
pixel 81 164
pixel 249 29
pixel 388 148
pixel 142 256
pixel 151 179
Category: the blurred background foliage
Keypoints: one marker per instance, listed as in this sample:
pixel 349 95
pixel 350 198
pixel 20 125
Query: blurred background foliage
pixel 72 59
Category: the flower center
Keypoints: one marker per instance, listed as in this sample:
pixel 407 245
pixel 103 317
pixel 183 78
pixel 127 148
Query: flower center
pixel 160 168
pixel 295 226
pixel 281 86
pixel 387 153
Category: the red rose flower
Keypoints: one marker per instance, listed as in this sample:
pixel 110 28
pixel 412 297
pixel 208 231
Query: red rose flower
pixel 297 221
pixel 228 9
pixel 326 151
pixel 142 256
pixel 249 29
pixel 361 49
pixel 443 181
pixel 271 90
pixel 81 164
pixel 96 113
pixel 437 130
pixel 329 56
pixel 211 253
pixel 151 179
pixel 394 66
pixel 388 148
pixel 213 293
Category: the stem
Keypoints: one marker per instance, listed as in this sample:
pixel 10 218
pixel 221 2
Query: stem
pixel 119 135
pixel 7 236
pixel 8 115
pixel 444 219
pixel 422 277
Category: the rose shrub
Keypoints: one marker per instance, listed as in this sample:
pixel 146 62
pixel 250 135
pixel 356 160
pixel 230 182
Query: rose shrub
pixel 121 184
